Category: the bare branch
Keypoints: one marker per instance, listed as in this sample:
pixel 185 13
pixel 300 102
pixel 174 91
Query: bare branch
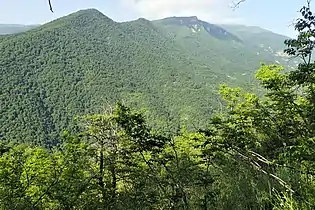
pixel 50 6
pixel 236 4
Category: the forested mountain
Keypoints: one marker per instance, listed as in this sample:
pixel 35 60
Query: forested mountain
pixel 256 36
pixel 69 138
pixel 196 25
pixel 79 63
pixel 223 48
pixel 14 28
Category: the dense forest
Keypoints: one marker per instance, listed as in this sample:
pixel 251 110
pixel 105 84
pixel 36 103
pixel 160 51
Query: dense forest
pixel 255 152
pixel 77 64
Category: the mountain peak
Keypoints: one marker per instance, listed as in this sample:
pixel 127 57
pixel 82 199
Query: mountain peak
pixel 89 13
pixel 190 18
pixel 80 19
pixel 180 20
pixel 194 17
pixel 143 20
pixel 197 25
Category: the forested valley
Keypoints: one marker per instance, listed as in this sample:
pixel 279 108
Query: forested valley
pixel 163 139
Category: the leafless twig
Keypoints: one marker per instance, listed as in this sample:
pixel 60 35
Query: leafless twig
pixel 236 4
pixel 50 6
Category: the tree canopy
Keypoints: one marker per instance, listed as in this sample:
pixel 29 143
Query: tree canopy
pixel 257 153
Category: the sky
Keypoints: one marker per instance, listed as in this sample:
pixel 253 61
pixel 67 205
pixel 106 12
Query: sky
pixel 274 15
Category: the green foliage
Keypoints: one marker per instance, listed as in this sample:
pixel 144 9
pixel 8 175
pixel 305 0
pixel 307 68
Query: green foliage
pixel 257 153
pixel 79 63
pixel 274 134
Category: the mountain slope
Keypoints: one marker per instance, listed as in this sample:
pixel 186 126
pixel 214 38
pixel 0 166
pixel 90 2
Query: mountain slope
pixel 257 36
pixel 196 25
pixel 77 64
pixel 235 53
pixel 264 43
pixel 80 63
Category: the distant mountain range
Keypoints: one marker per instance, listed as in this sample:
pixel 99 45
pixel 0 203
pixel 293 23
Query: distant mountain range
pixel 15 28
pixel 170 68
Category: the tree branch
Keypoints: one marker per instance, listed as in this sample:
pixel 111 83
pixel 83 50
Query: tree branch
pixel 236 4
pixel 50 6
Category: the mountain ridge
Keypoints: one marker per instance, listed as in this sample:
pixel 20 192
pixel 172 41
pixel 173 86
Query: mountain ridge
pixel 197 25
pixel 74 65
pixel 98 12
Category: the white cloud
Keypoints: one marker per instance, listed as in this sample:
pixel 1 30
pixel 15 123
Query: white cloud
pixel 216 11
